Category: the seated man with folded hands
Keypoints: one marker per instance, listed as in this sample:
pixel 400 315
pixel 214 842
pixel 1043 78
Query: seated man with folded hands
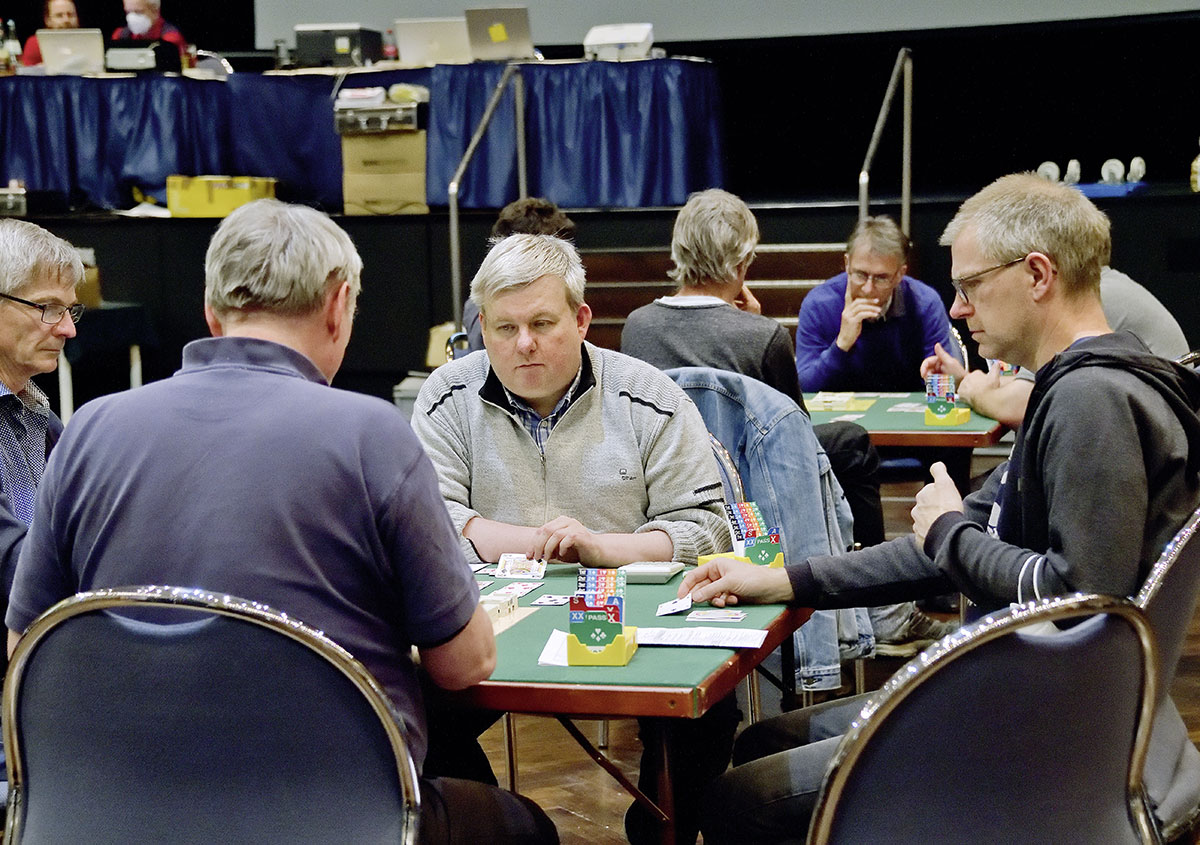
pixel 549 446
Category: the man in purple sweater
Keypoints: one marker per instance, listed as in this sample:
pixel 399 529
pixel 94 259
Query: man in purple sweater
pixel 870 327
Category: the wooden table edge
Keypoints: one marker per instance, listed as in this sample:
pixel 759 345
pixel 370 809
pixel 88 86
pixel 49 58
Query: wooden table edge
pixel 632 700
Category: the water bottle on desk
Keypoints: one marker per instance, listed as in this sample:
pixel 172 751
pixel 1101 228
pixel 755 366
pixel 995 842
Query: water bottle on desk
pixel 7 65
pixel 12 44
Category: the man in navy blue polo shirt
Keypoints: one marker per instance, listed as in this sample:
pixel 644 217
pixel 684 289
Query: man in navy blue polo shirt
pixel 246 473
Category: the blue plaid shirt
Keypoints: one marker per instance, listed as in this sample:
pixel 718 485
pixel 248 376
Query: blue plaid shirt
pixel 24 420
pixel 539 427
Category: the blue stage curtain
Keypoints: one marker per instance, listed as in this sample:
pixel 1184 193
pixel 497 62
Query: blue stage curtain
pixel 623 134
pixel 457 97
pixel 100 137
pixel 599 134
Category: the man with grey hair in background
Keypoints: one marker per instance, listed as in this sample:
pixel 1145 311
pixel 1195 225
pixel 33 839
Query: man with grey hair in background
pixel 551 447
pixel 38 312
pixel 246 473
pixel 1103 472
pixel 144 22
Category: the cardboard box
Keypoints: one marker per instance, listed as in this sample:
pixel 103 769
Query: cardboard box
pixel 214 196
pixel 88 292
pixel 384 173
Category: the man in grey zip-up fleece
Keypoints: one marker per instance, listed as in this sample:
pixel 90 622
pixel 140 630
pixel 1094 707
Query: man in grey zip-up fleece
pixel 547 445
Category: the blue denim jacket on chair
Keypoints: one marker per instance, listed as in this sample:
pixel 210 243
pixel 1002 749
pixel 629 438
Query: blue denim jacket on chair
pixel 785 470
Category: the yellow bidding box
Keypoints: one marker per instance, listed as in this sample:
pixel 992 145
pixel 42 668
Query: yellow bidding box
pixel 384 173
pixel 214 196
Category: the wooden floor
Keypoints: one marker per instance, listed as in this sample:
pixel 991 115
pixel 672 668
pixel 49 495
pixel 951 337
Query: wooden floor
pixel 588 806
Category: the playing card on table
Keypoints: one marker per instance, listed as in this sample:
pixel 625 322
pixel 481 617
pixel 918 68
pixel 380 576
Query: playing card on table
pixel 517 588
pixel 551 600
pixel 674 606
pixel 716 615
pixel 513 565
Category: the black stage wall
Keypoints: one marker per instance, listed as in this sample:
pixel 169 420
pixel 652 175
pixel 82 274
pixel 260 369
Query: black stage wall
pixel 406 275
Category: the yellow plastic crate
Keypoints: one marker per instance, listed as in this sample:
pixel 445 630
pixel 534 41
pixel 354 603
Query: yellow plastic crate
pixel 214 196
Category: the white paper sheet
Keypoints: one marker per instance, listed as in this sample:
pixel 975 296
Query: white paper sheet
pixel 703 635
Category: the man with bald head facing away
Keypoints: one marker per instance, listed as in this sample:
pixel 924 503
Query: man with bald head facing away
pixel 1103 472
pixel 246 473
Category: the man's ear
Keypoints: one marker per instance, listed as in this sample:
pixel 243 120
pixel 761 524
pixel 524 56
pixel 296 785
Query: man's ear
pixel 214 322
pixel 583 319
pixel 338 311
pixel 1043 273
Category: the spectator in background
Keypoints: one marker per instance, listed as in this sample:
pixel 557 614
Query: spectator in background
pixel 56 14
pixel 526 216
pixel 870 327
pixel 144 22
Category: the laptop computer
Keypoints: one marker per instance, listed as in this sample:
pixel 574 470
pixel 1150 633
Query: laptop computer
pixel 71 51
pixel 499 34
pixel 424 42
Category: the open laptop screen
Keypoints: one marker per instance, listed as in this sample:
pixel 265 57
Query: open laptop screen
pixel 71 51
pixel 499 34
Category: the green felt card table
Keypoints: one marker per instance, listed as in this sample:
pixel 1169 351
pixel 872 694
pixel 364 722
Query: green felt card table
pixel 905 428
pixel 660 681
pixel 681 682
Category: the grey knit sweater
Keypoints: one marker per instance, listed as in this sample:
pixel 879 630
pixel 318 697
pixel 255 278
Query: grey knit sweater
pixel 630 454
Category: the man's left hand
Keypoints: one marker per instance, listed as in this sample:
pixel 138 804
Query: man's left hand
pixel 566 539
pixel 935 499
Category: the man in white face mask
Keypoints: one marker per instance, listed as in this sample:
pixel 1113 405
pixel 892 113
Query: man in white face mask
pixel 144 22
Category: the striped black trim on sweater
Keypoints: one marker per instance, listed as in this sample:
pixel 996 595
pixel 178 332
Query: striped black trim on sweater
pixel 645 402
pixel 449 392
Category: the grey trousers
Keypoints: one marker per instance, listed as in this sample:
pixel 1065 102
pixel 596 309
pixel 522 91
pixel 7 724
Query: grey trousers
pixel 778 767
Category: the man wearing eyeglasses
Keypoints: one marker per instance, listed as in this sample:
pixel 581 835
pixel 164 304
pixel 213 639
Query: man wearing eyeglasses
pixel 870 327
pixel 1105 469
pixel 38 312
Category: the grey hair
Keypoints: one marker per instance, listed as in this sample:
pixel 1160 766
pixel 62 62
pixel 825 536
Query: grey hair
pixel 1023 213
pixel 28 254
pixel 879 235
pixel 271 256
pixel 520 260
pixel 715 234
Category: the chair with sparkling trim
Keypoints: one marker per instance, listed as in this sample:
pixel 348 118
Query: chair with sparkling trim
pixel 1008 730
pixel 161 714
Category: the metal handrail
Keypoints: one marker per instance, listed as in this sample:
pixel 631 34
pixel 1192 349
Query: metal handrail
pixel 511 74
pixel 903 63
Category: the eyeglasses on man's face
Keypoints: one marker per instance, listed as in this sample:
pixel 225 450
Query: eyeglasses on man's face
pixel 52 312
pixel 961 286
pixel 877 280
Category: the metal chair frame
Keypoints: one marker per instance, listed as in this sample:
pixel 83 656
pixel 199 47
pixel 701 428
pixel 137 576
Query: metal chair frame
pixel 923 668
pixel 201 601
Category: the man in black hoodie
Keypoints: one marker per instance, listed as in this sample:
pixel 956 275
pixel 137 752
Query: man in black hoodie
pixel 1104 471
